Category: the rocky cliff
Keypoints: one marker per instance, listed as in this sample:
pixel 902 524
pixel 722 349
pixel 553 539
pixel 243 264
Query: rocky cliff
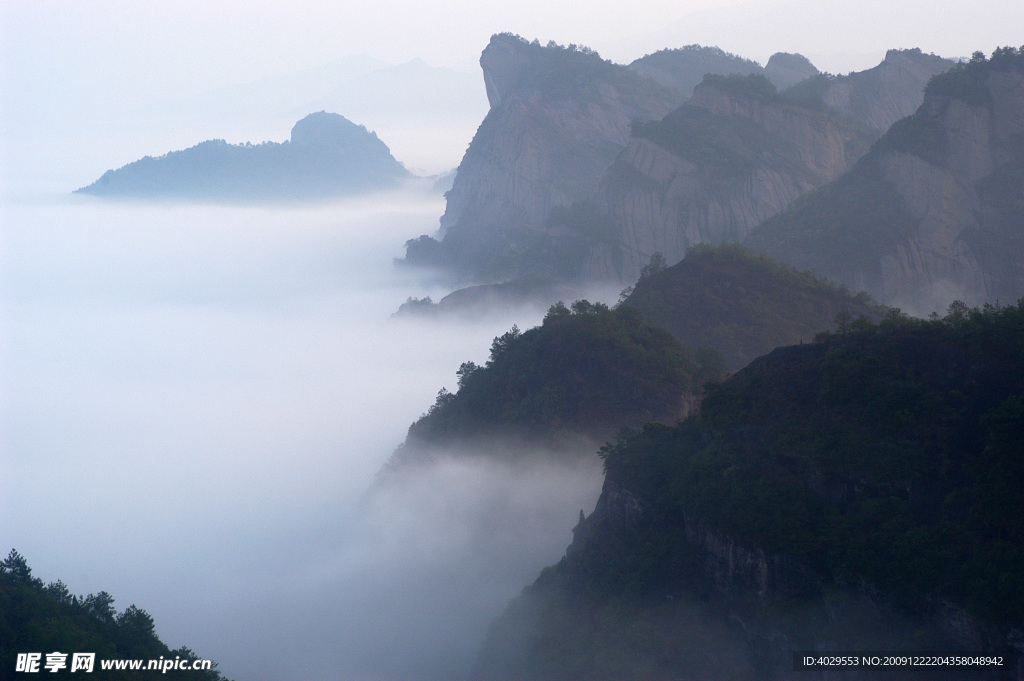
pixel 559 117
pixel 577 173
pixel 880 96
pixel 733 156
pixel 933 213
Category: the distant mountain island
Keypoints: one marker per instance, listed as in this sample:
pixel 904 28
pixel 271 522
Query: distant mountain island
pixel 327 156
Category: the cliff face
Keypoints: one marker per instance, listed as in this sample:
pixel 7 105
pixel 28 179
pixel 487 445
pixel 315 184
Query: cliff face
pixel 894 89
pixel 558 117
pixel 947 189
pixel 712 170
pixel 573 174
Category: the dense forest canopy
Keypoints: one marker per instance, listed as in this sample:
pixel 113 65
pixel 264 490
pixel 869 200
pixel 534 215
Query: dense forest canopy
pixel 587 368
pixel 844 494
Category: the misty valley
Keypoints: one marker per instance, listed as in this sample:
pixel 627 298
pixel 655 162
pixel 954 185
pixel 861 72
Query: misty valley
pixel 691 365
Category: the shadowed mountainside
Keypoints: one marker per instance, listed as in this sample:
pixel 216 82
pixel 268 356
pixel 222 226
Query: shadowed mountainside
pixel 741 304
pixel 858 493
pixel 43 618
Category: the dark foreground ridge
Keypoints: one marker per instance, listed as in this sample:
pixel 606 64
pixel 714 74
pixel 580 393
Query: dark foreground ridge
pixel 44 618
pixel 862 492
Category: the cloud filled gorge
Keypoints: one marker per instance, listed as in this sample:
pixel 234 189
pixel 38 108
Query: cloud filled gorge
pixel 196 400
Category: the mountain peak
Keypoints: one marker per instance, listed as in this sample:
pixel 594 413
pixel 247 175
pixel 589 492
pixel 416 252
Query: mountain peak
pixel 503 61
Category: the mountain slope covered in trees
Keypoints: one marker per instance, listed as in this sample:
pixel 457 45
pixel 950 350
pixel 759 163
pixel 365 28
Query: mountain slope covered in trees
pixel 44 618
pixel 586 371
pixel 742 304
pixel 862 492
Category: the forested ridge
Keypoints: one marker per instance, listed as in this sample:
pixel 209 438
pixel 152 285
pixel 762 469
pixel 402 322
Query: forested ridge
pixel 47 618
pixel 876 470
pixel 586 369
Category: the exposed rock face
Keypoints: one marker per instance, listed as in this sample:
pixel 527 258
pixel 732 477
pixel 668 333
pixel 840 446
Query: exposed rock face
pixel 666 192
pixel 888 92
pixel 558 117
pixel 785 69
pixel 555 185
pixel 947 224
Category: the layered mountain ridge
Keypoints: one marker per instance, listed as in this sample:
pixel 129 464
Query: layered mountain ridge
pixel 933 213
pixel 583 168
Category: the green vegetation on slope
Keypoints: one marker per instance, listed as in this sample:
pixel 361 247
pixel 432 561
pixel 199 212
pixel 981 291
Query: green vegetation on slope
pixel 683 68
pixel 743 304
pixel 888 452
pixel 38 618
pixel 586 369
pixel 882 459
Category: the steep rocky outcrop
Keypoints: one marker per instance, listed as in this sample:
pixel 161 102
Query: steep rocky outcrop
pixel 559 117
pixel 785 69
pixel 327 156
pixel 577 173
pixel 933 213
pixel 880 96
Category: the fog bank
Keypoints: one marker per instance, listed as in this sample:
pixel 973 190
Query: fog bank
pixel 196 400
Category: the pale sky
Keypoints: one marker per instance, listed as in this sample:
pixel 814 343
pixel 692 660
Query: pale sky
pixel 71 69
pixel 124 50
